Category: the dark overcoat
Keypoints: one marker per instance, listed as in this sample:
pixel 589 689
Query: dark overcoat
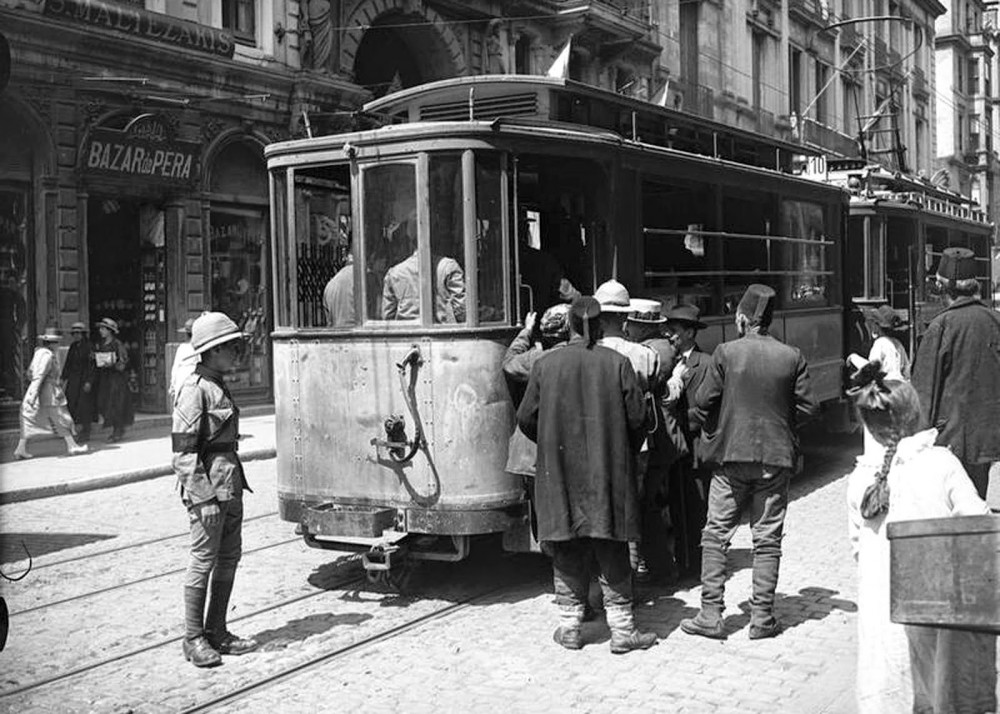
pixel 78 372
pixel 585 410
pixel 957 375
pixel 759 389
pixel 689 416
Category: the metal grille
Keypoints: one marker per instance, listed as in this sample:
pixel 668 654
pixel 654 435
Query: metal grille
pixel 514 105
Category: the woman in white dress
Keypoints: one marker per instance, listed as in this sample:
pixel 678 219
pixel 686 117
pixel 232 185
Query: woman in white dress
pixel 932 670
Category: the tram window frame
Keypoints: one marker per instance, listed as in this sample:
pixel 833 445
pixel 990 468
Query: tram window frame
pixel 279 181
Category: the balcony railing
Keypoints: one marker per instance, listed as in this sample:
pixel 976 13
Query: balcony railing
pixel 811 10
pixel 827 138
pixel 638 9
pixel 697 99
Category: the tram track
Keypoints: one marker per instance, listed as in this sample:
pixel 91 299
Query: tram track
pixel 138 581
pixel 130 546
pixel 91 666
pixel 325 658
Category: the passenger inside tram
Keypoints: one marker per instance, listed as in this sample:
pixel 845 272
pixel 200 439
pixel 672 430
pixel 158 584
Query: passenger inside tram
pixel 401 288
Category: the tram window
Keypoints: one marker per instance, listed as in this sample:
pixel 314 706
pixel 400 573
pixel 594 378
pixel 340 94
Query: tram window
pixel 392 267
pixel 745 260
pixel 805 272
pixel 447 246
pixel 279 200
pixel 490 267
pixel 323 244
pixel 937 241
pixel 900 234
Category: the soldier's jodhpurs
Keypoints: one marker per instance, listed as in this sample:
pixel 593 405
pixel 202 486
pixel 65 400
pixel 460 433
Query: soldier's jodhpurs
pixel 734 487
pixel 571 566
pixel 215 553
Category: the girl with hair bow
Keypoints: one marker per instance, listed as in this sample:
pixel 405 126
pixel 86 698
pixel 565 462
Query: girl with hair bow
pixel 908 668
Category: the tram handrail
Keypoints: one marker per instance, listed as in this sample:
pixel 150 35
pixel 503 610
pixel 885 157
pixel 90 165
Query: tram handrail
pixel 743 236
pixel 717 273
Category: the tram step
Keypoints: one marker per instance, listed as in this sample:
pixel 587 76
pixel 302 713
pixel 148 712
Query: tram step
pixel 330 519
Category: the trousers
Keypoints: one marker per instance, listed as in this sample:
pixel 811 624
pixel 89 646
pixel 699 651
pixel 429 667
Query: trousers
pixel 218 548
pixel 735 488
pixel 571 566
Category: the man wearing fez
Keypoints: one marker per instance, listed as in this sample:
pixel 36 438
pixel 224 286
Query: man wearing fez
pixel 688 481
pixel 957 369
pixel 585 410
pixel 758 387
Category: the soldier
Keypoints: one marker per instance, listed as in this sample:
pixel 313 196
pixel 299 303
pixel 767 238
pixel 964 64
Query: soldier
pixel 957 370
pixel 758 387
pixel 584 409
pixel 205 432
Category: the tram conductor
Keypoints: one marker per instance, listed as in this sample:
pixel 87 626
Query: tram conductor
pixel 585 410
pixel 758 388
pixel 210 475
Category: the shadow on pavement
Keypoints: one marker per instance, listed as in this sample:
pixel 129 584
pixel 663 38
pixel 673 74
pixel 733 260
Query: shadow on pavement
pixel 300 629
pixel 812 603
pixel 38 544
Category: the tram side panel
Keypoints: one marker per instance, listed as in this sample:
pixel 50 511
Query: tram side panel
pixel 338 475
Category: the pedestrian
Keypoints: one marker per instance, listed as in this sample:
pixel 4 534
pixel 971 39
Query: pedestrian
pixel 885 325
pixel 908 668
pixel 114 400
pixel 584 409
pixel 615 307
pixel 43 409
pixel 688 480
pixel 205 432
pixel 78 379
pixel 185 360
pixel 756 389
pixel 666 444
pixel 957 369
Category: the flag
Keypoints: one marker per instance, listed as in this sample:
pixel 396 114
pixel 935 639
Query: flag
pixel 660 98
pixel 560 67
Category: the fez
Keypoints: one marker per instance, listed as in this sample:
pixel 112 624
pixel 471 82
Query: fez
pixel 957 264
pixel 757 303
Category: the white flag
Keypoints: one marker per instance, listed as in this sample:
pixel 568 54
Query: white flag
pixel 660 98
pixel 560 67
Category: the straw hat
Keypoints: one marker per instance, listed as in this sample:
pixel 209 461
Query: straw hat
pixel 211 330
pixel 613 297
pixel 649 312
pixel 108 323
pixel 51 334
pixel 78 327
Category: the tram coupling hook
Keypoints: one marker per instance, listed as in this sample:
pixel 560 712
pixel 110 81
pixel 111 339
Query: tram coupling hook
pixel 411 358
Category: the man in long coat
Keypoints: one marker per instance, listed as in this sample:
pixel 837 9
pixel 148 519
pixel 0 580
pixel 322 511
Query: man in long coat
pixel 78 374
pixel 759 387
pixel 584 409
pixel 957 370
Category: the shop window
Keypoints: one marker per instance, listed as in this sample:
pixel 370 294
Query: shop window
pixel 490 249
pixel 240 18
pixel 323 244
pixel 447 246
pixel 391 259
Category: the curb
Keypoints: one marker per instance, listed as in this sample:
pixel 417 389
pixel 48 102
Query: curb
pixel 111 480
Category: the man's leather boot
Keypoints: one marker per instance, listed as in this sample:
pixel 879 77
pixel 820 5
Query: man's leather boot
pixel 624 636
pixel 705 624
pixel 229 644
pixel 200 653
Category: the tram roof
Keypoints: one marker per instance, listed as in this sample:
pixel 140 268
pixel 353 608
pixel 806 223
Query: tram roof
pixel 464 134
pixel 533 96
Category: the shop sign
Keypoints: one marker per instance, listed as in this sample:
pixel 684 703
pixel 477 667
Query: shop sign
pixel 144 149
pixel 142 23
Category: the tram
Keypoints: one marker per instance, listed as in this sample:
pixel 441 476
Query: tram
pixel 394 422
pixel 898 227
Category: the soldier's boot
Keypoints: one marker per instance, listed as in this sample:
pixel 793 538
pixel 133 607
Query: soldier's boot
pixel 196 648
pixel 215 623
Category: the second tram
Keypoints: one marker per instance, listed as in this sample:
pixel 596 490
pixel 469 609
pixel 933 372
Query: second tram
pixel 392 403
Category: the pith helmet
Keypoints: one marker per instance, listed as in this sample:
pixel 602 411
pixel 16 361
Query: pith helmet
pixel 613 297
pixel 213 329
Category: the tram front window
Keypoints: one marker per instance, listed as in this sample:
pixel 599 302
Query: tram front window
pixel 489 239
pixel 447 250
pixel 392 266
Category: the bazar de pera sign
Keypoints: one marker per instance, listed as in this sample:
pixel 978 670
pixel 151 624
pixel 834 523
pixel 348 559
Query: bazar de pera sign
pixel 145 149
pixel 142 23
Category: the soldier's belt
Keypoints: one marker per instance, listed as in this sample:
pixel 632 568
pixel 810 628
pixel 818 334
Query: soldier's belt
pixel 221 447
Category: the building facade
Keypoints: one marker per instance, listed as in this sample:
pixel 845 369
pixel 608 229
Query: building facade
pixel 132 180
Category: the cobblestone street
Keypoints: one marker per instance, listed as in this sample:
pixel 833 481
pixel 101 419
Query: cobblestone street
pixel 96 625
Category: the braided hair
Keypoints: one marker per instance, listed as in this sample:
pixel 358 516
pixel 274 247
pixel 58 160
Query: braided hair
pixel 890 410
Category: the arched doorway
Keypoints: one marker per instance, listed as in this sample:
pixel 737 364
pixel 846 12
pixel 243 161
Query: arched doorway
pixel 401 50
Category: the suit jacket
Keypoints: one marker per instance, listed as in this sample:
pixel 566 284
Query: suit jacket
pixel 957 375
pixel 759 389
pixel 690 416
pixel 585 410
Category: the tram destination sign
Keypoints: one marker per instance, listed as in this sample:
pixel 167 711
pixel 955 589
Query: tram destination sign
pixel 137 22
pixel 144 149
